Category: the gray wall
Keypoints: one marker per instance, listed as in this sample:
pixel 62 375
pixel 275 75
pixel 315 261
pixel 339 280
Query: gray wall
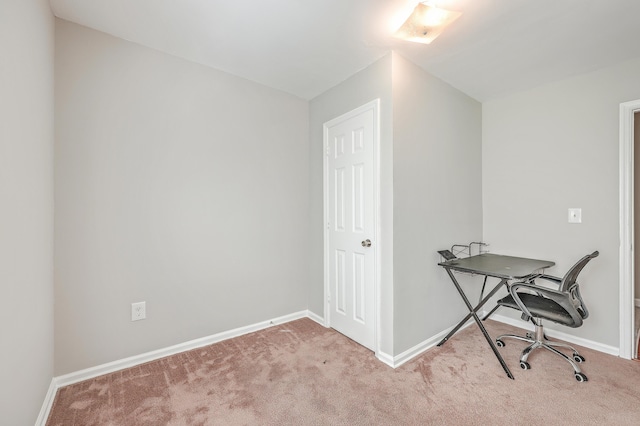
pixel 546 150
pixel 437 198
pixel 371 83
pixel 26 208
pixel 177 185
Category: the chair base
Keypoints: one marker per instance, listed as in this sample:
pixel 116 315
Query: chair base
pixel 539 340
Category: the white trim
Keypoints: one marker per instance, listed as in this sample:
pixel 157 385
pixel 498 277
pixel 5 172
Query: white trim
pixel 377 226
pixel 600 347
pixel 417 350
pixel 317 318
pixel 47 404
pixel 422 347
pixel 627 110
pixel 386 358
pixel 375 106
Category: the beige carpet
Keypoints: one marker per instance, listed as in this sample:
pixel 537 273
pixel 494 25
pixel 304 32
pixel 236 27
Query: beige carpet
pixel 301 373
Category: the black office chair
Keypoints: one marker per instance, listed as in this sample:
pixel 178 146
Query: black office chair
pixel 563 306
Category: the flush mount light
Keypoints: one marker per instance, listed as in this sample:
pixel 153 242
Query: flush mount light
pixel 425 23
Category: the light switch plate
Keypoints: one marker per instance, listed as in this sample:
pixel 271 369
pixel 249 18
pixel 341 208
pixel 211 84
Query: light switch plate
pixel 575 215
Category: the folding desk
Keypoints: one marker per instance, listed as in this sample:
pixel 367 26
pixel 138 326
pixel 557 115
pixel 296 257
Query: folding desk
pixel 506 268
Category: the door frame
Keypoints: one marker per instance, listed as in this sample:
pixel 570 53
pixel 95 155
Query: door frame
pixel 375 107
pixel 627 231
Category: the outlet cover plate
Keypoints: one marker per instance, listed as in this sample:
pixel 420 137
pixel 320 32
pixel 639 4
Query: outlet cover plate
pixel 138 311
pixel 575 215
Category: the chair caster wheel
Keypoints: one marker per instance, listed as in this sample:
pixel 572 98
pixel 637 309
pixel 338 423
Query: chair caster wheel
pixel 499 343
pixel 525 365
pixel 578 358
pixel 581 377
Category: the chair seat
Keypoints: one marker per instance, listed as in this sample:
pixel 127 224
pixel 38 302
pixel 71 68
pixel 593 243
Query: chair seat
pixel 540 307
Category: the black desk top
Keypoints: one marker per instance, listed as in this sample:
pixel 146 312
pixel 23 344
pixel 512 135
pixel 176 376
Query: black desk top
pixel 499 266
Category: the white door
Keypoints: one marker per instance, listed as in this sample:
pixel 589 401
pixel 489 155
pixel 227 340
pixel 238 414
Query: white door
pixel 350 243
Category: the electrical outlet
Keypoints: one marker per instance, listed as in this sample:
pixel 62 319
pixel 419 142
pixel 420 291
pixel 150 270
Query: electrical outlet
pixel 138 311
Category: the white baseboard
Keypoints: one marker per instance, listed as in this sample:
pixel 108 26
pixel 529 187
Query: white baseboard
pixel 317 318
pixel 47 404
pixel 398 360
pixel 385 358
pixel 600 347
pixel 90 373
pixel 409 354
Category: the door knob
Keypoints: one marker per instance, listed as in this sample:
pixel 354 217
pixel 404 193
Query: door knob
pixel 366 243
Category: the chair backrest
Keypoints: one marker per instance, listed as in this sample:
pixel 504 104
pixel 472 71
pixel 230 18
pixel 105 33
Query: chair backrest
pixel 570 285
pixel 570 278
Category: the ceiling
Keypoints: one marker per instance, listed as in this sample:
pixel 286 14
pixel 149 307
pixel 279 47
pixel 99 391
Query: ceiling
pixel 305 47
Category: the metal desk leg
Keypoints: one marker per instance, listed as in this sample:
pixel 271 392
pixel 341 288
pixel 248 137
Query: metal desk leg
pixel 480 305
pixel 472 312
pixel 497 306
pixel 490 312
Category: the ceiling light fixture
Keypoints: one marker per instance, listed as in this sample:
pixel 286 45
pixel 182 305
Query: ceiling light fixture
pixel 425 23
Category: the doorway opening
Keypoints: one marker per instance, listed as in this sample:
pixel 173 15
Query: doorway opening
pixel 636 237
pixel 628 329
